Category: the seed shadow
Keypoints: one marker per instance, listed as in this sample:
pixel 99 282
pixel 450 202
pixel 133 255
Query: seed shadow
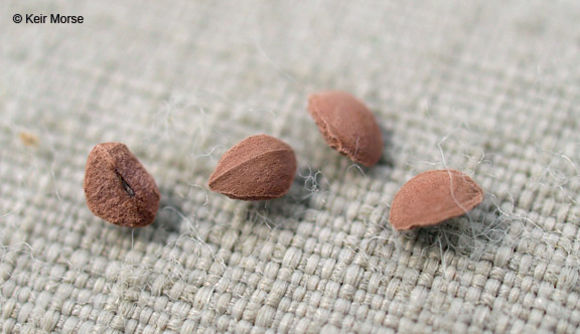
pixel 481 230
pixel 167 225
pixel 295 203
pixel 387 157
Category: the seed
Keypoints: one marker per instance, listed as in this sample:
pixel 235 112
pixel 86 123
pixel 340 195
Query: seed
pixel 257 168
pixel 118 188
pixel 347 126
pixel 432 197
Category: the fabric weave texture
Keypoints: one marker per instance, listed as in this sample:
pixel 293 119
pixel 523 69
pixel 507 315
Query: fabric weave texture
pixel 488 88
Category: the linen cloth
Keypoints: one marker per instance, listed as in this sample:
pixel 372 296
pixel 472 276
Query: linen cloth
pixel 488 88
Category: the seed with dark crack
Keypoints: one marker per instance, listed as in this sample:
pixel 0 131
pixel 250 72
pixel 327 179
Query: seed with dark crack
pixel 117 187
pixel 259 167
pixel 432 197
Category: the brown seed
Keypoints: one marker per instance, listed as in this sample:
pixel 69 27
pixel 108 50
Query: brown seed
pixel 257 168
pixel 118 188
pixel 432 197
pixel 347 125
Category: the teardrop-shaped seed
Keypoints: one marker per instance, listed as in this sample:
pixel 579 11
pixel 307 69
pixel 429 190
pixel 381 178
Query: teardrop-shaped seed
pixel 432 197
pixel 117 187
pixel 347 126
pixel 257 168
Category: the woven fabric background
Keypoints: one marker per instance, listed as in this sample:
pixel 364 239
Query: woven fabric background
pixel 491 89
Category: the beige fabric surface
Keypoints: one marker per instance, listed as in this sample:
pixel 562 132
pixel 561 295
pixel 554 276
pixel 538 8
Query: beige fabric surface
pixel 489 88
